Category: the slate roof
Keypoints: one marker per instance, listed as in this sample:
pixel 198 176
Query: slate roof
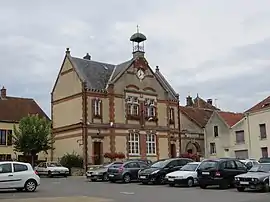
pixel 13 109
pixel 198 115
pixel 231 118
pixel 264 104
pixel 97 75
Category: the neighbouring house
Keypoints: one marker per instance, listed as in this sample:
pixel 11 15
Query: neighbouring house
pixel 12 110
pixel 100 108
pixel 250 135
pixel 218 139
pixel 194 117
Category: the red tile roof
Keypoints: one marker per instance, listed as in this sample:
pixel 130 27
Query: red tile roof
pixel 230 118
pixel 13 109
pixel 265 104
pixel 198 115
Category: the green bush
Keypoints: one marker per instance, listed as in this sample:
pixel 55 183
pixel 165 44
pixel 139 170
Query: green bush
pixel 72 160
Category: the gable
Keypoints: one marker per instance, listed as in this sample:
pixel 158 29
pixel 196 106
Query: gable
pixel 68 82
pixel 216 120
pixel 128 79
pixel 189 125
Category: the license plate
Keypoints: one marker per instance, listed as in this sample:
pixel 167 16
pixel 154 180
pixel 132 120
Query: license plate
pixel 170 179
pixel 244 182
pixel 142 177
pixel 111 175
pixel 89 175
pixel 205 173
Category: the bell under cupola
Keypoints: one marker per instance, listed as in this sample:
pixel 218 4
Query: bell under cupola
pixel 137 40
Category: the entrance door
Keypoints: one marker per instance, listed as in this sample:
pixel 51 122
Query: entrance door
pixel 97 146
pixel 173 151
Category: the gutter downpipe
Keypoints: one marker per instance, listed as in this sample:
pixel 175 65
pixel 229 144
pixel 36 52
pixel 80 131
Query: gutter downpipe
pixel 249 138
pixel 205 144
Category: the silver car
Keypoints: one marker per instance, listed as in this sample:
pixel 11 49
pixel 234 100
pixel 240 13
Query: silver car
pixel 256 178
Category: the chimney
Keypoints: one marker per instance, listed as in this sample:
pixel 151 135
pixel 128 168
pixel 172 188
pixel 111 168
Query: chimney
pixel 3 93
pixel 157 69
pixel 210 101
pixel 87 57
pixel 189 101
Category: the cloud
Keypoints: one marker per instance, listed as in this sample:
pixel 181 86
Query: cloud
pixel 219 49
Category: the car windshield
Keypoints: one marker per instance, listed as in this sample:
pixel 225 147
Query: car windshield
pixel 54 164
pixel 260 168
pixel 159 164
pixel 189 167
pixel 205 165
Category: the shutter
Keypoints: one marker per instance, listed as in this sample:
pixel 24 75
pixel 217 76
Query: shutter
pixel 173 114
pixel 93 107
pixel 101 108
pixel 9 137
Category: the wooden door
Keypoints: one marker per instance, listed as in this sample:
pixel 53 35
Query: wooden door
pixel 97 158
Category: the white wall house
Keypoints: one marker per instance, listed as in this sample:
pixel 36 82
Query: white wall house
pixel 218 138
pixel 251 136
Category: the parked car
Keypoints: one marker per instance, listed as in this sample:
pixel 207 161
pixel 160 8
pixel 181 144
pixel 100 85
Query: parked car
pixel 52 169
pixel 219 172
pixel 187 175
pixel 125 171
pixel 100 172
pixel 264 160
pixel 249 162
pixel 19 176
pixel 256 178
pixel 157 171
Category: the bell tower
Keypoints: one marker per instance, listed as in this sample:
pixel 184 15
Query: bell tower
pixel 137 40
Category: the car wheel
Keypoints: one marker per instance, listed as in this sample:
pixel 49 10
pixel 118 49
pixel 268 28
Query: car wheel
pixel 190 182
pixel 30 186
pixel 105 177
pixel 126 178
pixel 266 187
pixel 160 180
pixel 240 189
pixel 50 174
pixel 203 186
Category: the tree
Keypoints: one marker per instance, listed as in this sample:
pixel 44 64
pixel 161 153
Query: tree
pixel 32 136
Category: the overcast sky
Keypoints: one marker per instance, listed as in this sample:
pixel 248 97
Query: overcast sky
pixel 217 48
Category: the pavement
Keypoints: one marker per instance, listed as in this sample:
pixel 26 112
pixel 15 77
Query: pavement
pixel 77 189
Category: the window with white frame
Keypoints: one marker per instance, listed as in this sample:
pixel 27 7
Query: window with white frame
pixel 151 144
pixel 150 107
pixel 97 107
pixel 134 144
pixel 132 105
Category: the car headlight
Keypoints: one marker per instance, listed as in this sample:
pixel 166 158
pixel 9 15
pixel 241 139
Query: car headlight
pixel 237 179
pixel 254 179
pixel 154 172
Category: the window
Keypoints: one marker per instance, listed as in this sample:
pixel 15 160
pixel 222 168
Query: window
pixel 240 165
pixel 19 167
pixel 150 144
pixel 5 157
pixel 132 106
pixel 132 165
pixel 212 148
pixel 134 144
pixel 230 165
pixel 3 137
pixel 240 137
pixel 171 115
pixel 263 134
pixel 5 168
pixel 216 131
pixel 264 152
pixel 150 109
pixel 97 108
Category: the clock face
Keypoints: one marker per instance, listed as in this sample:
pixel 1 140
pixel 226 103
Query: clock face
pixel 140 74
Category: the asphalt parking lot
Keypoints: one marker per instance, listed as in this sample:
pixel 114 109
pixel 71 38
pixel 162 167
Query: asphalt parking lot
pixel 75 189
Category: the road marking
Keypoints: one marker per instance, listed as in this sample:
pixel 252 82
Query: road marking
pixel 127 193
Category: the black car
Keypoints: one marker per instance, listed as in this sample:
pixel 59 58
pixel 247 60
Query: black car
pixel 264 160
pixel 125 171
pixel 157 171
pixel 148 162
pixel 219 172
